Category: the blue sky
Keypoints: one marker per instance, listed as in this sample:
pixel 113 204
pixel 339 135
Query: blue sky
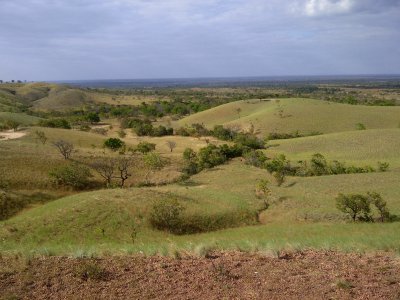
pixel 125 39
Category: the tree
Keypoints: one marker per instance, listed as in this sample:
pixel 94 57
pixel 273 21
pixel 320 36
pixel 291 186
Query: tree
pixel 114 143
pixel 105 167
pixel 171 145
pixel 354 205
pixel 153 162
pixel 123 165
pixel 380 204
pixel 13 124
pixel 41 136
pixel 64 147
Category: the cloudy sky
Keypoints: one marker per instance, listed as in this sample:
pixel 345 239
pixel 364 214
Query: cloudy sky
pixel 125 39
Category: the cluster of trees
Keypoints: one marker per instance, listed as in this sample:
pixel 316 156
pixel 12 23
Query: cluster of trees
pixel 280 166
pixel 209 157
pixel 248 139
pixel 77 175
pixel 55 123
pixel 358 207
pixel 145 127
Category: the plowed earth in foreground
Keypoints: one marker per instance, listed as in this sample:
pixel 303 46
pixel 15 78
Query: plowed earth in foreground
pixel 303 275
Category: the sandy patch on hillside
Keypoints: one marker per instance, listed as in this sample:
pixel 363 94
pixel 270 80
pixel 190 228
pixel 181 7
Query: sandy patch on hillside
pixel 11 135
pixel 308 275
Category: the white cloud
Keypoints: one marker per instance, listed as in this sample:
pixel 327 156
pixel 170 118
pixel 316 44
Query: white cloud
pixel 327 7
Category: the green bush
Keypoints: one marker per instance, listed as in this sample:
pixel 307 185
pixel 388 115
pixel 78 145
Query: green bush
pixel 72 175
pixel 166 214
pixel 255 158
pixel 114 144
pixel 145 147
pixel 55 123
pixel 170 215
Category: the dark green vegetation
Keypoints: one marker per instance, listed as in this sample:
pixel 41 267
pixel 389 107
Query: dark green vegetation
pixel 133 171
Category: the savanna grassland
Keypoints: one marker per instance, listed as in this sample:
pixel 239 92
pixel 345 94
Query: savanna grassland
pixel 228 182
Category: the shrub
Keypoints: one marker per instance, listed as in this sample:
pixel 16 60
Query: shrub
pixel 255 158
pixel 72 175
pixel 91 270
pixel 55 123
pixel 249 140
pixel 170 215
pixel 121 133
pixel 360 126
pixel 145 147
pixel 166 214
pixel 101 131
pixel 210 156
pixel 92 117
pixel 318 165
pixel 41 136
pixel 114 144
pixel 383 166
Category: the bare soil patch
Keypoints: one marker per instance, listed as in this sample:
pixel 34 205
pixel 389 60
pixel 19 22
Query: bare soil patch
pixel 11 135
pixel 308 275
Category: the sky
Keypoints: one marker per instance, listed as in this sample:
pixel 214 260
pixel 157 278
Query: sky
pixel 129 39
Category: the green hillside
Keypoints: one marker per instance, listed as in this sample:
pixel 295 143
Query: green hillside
pixel 290 115
pixel 22 118
pixel 304 216
pixel 359 147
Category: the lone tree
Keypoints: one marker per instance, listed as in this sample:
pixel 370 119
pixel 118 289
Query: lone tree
pixel 64 147
pixel 171 145
pixel 355 205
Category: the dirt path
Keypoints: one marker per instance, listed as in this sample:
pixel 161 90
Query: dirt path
pixel 310 275
pixel 11 135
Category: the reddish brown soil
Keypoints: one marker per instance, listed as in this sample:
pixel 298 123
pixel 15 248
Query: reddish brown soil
pixel 309 275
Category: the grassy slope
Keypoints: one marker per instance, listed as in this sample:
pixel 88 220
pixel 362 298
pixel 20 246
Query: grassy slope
pixel 306 216
pixel 358 147
pixel 305 115
pixel 22 118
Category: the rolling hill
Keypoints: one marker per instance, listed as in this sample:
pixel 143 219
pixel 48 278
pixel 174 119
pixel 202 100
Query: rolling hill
pixel 290 115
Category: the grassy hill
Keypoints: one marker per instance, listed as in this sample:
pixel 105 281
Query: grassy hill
pixel 305 216
pixel 359 147
pixel 290 115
